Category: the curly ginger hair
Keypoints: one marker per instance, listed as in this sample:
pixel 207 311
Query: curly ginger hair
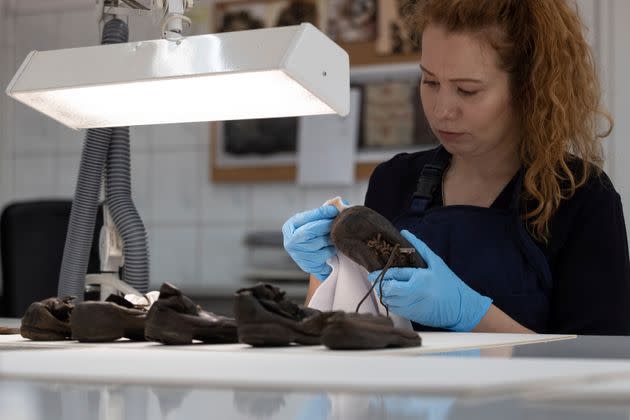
pixel 554 86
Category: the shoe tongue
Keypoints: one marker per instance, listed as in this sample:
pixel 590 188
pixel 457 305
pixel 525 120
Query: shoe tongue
pixel 265 291
pixel 178 301
pixel 187 306
pixel 60 308
pixel 285 308
pixel 168 289
pixel 273 299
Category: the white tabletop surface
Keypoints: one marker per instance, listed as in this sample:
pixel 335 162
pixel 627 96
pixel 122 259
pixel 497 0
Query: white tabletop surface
pixel 463 372
pixel 453 376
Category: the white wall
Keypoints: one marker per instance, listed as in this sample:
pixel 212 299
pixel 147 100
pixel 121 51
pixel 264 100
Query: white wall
pixel 195 227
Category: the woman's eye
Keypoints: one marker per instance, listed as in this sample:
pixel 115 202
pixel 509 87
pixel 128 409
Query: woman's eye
pixel 430 83
pixel 465 92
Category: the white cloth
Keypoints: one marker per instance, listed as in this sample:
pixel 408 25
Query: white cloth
pixel 346 285
pixel 145 300
pixel 344 288
pixel 110 283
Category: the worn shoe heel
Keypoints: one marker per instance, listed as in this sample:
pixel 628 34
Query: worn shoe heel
pixel 95 322
pixel 265 335
pixel 163 326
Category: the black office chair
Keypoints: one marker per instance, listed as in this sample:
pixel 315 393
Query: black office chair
pixel 32 238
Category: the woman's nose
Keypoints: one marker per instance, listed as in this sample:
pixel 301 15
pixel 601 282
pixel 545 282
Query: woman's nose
pixel 445 106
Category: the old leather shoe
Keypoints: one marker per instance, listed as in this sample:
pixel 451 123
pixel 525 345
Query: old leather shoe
pixel 354 331
pixel 175 319
pixel 47 320
pixel 368 239
pixel 94 321
pixel 265 318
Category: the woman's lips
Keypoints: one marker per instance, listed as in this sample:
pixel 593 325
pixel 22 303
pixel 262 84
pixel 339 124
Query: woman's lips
pixel 449 135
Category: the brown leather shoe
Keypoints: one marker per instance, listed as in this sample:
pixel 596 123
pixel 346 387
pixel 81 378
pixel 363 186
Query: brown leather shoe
pixel 352 331
pixel 265 318
pixel 47 320
pixel 175 319
pixel 368 239
pixel 94 321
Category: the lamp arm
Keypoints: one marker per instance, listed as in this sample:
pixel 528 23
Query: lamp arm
pixel 175 23
pixel 110 244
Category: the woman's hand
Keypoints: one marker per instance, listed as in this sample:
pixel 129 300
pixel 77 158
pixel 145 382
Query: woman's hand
pixel 432 296
pixel 307 240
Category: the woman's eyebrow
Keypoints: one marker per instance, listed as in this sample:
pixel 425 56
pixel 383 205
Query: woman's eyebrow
pixel 459 79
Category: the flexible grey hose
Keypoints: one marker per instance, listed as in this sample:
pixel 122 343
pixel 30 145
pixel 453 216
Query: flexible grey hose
pixel 115 31
pixel 124 213
pixel 76 252
pixel 118 189
pixel 95 153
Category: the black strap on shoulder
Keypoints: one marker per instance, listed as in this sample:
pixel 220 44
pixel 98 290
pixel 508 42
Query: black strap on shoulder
pixel 431 174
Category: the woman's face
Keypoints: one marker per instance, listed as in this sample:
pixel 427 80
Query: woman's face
pixel 465 95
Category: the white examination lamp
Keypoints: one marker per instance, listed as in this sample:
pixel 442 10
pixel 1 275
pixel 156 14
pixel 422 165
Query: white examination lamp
pixel 261 73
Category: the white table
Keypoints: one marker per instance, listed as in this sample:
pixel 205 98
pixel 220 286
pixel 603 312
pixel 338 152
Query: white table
pixel 451 376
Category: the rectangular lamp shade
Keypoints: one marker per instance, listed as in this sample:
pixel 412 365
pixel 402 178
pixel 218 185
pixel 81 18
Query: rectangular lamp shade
pixel 262 73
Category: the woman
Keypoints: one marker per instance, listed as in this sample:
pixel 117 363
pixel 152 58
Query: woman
pixel 521 229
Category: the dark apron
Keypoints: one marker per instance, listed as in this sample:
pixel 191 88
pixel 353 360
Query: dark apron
pixel 488 248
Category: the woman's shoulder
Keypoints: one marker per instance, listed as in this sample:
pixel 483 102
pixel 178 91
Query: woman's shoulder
pixel 597 186
pixel 595 197
pixel 594 202
pixel 404 165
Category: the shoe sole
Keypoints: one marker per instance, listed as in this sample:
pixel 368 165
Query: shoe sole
pixel 37 334
pixel 344 336
pixel 168 326
pixel 104 321
pixel 273 335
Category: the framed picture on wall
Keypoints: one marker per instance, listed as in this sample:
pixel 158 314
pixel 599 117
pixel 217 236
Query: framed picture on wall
pixel 371 31
pixel 266 149
pixel 254 150
pixel 350 21
pixel 260 149
pixel 394 38
pixel 392 116
pixel 255 14
pixel 392 121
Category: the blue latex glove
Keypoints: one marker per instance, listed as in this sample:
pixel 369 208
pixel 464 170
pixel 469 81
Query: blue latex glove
pixel 415 407
pixel 307 240
pixel 432 296
pixel 327 406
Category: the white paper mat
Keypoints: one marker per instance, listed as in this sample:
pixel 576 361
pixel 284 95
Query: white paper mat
pixel 611 391
pixel 432 342
pixel 307 371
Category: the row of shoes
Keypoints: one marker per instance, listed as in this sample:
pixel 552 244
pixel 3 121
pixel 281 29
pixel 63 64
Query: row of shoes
pixel 263 317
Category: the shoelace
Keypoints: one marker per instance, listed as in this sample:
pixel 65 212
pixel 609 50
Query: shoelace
pixel 381 276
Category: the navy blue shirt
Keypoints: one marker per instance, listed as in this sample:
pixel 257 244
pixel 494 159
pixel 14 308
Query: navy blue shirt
pixel 587 249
